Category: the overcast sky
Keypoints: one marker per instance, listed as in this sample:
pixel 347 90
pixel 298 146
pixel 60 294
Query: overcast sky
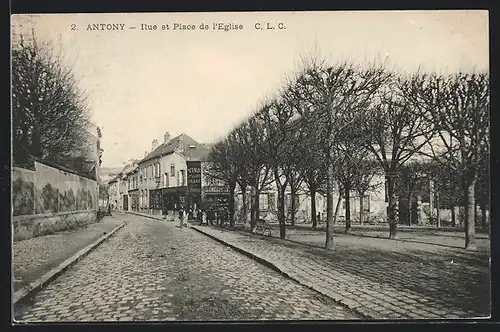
pixel 141 84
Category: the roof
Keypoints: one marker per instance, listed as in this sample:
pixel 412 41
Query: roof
pixel 128 168
pixel 131 169
pixel 114 179
pixel 181 144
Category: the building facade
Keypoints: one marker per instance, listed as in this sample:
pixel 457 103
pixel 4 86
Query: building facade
pixel 113 191
pixel 163 175
pixel 374 204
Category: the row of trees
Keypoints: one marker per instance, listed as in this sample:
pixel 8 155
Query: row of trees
pixel 333 127
pixel 49 111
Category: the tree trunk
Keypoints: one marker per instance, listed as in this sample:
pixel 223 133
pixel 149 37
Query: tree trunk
pixel 293 193
pixel 361 207
pixel 431 201
pixel 244 205
pixel 410 208
pixel 482 205
pixel 281 211
pixel 232 187
pixel 392 211
pixel 255 209
pixel 453 215
pixel 313 209
pixel 438 208
pixel 347 208
pixel 329 208
pixel 252 209
pixel 470 227
pixel 337 208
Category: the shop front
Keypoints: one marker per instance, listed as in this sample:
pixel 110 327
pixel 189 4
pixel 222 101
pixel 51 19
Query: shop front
pixel 193 194
pixel 134 199
pixel 216 198
pixel 173 198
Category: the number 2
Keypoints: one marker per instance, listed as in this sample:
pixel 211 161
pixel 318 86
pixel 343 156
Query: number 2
pixel 73 26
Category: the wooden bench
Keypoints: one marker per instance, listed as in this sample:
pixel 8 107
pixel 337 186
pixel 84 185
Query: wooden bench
pixel 262 228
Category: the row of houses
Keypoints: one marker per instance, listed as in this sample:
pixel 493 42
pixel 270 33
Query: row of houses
pixel 172 175
pixel 158 182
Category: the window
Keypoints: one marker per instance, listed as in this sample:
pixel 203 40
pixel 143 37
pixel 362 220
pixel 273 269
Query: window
pixel 172 171
pixel 366 203
pixel 181 177
pixel 165 179
pixel 263 202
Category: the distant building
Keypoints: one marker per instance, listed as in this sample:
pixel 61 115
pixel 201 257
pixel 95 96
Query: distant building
pixel 87 158
pixel 113 192
pixel 374 204
pixel 163 175
pixel 120 185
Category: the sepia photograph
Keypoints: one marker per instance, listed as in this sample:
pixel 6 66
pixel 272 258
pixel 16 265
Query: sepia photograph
pixel 250 166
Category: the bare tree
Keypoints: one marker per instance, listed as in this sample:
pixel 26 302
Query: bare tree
pixel 457 107
pixel 49 111
pixel 295 184
pixel 312 163
pixel 281 138
pixel 255 170
pixel 393 132
pixel 332 91
pixel 223 166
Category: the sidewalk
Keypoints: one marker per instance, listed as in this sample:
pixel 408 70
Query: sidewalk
pixel 33 258
pixel 380 278
pixel 433 236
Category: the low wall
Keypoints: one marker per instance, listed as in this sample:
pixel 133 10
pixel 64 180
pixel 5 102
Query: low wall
pixel 29 226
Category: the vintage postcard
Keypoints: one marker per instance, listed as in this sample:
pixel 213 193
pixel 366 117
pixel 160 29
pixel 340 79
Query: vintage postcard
pixel 251 166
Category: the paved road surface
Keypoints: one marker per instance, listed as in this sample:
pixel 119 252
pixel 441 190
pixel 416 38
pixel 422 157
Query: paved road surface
pixel 153 271
pixel 381 278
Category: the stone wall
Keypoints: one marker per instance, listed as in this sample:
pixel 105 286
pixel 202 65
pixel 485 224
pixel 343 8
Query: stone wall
pixel 49 199
pixel 23 194
pixel 29 226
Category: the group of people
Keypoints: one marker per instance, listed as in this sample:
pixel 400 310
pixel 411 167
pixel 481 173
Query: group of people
pixel 213 217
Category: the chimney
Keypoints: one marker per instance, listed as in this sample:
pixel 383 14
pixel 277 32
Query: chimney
pixel 154 145
pixel 166 137
pixel 145 153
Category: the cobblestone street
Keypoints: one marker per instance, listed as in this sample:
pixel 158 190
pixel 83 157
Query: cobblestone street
pixel 153 271
pixel 380 278
pixel 36 256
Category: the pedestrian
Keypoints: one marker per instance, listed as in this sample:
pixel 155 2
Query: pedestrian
pixel 109 210
pixel 181 216
pixel 210 217
pixel 203 218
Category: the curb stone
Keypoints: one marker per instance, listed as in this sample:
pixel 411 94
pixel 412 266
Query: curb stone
pixel 143 215
pixel 34 287
pixel 152 217
pixel 335 297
